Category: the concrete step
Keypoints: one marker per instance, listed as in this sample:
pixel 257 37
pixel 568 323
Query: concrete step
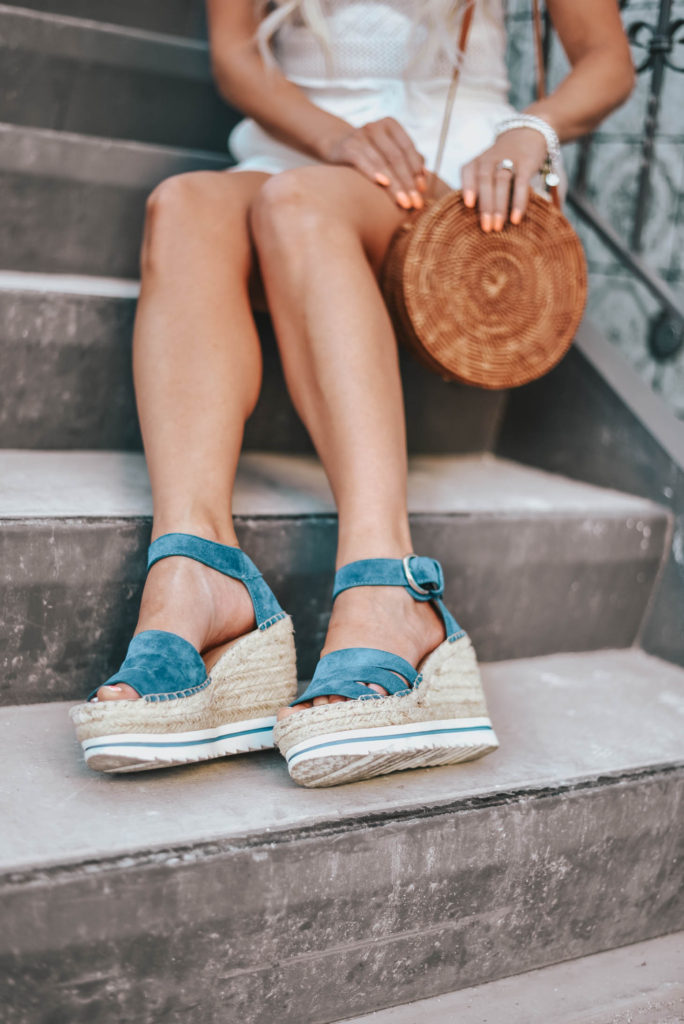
pixel 65 349
pixel 176 17
pixel 222 892
pixel 638 984
pixel 534 563
pixel 75 203
pixel 79 75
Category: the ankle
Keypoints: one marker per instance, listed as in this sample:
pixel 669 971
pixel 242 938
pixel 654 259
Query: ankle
pixel 221 532
pixel 353 546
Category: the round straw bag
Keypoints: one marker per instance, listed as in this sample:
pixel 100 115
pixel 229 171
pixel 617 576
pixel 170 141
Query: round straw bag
pixel 495 310
pixel 492 309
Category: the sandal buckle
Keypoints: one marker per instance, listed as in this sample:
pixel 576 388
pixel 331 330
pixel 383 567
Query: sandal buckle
pixel 411 580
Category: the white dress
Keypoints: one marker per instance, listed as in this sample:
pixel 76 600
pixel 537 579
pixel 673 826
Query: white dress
pixel 378 66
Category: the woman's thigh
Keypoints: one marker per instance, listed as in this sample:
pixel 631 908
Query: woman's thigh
pixel 318 195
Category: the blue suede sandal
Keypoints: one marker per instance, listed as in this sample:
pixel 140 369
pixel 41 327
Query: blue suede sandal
pixel 185 715
pixel 433 715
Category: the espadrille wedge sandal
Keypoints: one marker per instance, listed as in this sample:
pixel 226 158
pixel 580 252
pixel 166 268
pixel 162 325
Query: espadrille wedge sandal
pixel 183 714
pixel 433 715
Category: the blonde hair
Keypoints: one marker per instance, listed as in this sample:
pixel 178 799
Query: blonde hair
pixel 438 17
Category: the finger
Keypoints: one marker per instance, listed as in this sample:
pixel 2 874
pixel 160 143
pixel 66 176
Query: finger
pixel 521 192
pixel 503 181
pixel 469 183
pixel 413 158
pixel 366 159
pixel 403 182
pixel 485 188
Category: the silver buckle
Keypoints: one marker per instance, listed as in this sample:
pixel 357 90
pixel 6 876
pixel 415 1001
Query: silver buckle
pixel 410 578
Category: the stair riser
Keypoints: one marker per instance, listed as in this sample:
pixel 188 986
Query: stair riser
pixel 177 17
pixel 76 204
pixel 347 920
pixel 67 383
pixel 521 585
pixel 108 82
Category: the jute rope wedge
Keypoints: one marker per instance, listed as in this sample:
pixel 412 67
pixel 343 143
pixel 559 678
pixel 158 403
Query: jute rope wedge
pixel 184 715
pixel 436 715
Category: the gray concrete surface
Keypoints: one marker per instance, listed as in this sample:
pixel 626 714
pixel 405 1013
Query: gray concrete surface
pixel 594 419
pixel 75 203
pixel 638 984
pixel 533 564
pixel 221 892
pixel 89 484
pixel 59 331
pixel 103 79
pixel 177 17
pixel 561 720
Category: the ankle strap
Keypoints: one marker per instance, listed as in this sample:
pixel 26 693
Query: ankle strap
pixel 422 578
pixel 230 561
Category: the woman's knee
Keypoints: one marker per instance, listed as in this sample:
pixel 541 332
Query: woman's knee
pixel 290 209
pixel 184 208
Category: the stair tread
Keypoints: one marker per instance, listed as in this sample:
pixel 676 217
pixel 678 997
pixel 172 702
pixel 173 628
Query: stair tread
pixel 115 484
pixel 562 720
pixel 636 984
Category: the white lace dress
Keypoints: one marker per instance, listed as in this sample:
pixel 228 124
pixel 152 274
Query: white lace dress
pixel 379 65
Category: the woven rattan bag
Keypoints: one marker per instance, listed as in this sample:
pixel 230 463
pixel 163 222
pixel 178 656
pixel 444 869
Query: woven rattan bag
pixel 494 310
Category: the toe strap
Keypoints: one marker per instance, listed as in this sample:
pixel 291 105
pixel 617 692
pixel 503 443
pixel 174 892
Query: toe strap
pixel 341 673
pixel 160 666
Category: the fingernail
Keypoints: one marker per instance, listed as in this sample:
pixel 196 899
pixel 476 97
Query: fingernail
pixel 486 222
pixel 498 222
pixel 469 197
pixel 417 200
pixel 421 182
pixel 382 179
pixel 403 200
pixel 516 216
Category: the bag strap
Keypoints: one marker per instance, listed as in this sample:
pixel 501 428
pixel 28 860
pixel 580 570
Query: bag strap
pixel 456 74
pixel 460 57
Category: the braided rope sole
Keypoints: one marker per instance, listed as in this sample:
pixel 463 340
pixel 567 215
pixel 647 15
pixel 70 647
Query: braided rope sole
pixel 234 713
pixel 443 720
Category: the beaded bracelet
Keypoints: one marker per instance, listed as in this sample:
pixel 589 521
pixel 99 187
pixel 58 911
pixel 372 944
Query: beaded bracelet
pixel 553 163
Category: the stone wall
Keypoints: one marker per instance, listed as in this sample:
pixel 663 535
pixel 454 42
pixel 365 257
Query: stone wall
pixel 618 304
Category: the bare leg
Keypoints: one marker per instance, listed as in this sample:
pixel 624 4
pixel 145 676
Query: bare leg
pixel 197 367
pixel 321 235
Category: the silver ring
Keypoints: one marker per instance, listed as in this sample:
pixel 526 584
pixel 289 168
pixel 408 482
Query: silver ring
pixel 506 165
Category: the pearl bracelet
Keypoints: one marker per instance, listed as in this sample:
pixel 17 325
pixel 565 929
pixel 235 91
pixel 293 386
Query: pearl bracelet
pixel 552 141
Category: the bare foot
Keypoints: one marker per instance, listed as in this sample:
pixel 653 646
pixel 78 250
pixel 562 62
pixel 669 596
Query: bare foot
pixel 387 618
pixel 200 604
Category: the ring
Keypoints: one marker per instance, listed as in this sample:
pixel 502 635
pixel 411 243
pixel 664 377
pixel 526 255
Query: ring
pixel 506 165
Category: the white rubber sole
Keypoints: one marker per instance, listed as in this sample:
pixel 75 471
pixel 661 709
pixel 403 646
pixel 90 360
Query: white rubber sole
pixel 134 752
pixel 334 758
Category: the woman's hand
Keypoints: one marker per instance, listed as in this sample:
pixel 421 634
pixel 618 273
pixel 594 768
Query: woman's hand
pixel 486 183
pixel 385 154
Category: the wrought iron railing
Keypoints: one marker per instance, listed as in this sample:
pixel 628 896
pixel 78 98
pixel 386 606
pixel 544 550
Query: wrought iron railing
pixel 658 49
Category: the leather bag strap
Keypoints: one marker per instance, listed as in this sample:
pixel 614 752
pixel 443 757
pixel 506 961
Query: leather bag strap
pixel 460 57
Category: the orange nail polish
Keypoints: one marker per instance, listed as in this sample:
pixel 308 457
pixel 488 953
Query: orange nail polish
pixel 421 182
pixel 469 197
pixel 498 222
pixel 516 217
pixel 486 222
pixel 417 200
pixel 403 200
pixel 382 179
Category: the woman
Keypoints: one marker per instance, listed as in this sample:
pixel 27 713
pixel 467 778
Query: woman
pixel 344 101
